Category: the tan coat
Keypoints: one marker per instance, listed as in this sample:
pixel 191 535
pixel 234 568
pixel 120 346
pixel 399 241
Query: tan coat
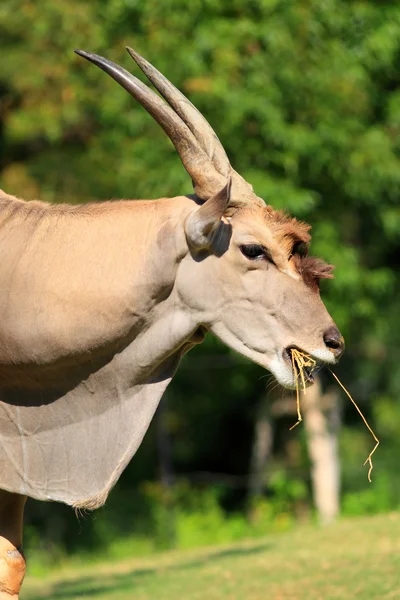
pixel 99 302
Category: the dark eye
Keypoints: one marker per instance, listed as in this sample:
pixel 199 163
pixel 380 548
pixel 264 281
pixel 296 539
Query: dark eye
pixel 253 251
pixel 299 248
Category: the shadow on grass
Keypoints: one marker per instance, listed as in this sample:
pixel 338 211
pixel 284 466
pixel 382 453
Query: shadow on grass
pixel 92 586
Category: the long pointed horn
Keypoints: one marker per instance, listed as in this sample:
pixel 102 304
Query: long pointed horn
pixel 205 177
pixel 242 191
pixel 197 124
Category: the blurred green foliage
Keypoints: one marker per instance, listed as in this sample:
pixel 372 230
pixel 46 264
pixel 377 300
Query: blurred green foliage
pixel 305 96
pixel 183 517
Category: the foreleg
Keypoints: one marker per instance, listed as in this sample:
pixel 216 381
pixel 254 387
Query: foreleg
pixel 12 561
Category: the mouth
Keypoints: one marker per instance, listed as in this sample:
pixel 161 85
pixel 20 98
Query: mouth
pixel 304 366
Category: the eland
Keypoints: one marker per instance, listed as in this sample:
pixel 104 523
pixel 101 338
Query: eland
pixel 99 302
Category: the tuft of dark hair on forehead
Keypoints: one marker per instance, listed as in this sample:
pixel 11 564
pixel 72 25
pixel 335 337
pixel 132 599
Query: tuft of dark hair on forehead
pixel 312 270
pixel 288 229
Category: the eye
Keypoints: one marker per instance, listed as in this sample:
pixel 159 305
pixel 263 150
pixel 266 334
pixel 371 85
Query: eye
pixel 253 251
pixel 299 248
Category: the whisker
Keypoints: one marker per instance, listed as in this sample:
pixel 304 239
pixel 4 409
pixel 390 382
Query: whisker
pixel 271 381
pixel 272 389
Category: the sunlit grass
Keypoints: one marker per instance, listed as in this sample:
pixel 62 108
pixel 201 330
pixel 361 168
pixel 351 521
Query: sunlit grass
pixel 357 558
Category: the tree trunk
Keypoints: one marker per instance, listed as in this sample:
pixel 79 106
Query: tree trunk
pixel 261 451
pixel 321 420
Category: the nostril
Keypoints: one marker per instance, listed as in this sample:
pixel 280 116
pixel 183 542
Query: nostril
pixel 332 343
pixel 333 339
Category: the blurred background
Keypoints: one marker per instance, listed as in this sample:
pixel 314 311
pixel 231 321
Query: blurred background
pixel 305 97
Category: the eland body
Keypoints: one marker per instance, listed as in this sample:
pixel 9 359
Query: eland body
pixel 99 302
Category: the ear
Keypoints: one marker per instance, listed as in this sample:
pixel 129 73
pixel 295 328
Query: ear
pixel 202 225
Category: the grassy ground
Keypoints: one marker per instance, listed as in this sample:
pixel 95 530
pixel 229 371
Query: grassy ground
pixel 358 558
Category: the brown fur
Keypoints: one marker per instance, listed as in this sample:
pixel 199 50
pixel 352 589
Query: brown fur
pixel 288 229
pixel 291 231
pixel 312 270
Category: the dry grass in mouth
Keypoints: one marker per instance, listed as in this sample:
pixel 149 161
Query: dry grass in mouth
pixel 300 361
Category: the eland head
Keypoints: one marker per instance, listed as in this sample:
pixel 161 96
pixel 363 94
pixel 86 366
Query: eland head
pixel 246 275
